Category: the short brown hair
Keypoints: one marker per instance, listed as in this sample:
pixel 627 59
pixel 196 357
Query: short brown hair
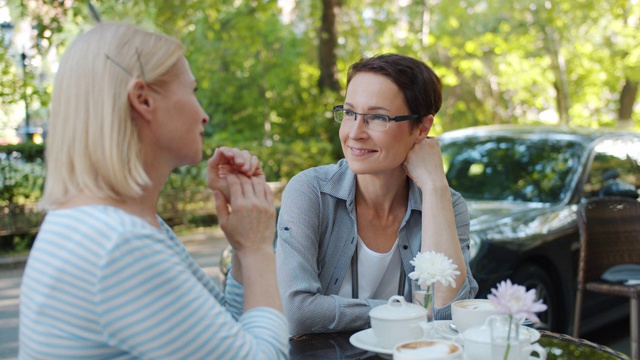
pixel 418 83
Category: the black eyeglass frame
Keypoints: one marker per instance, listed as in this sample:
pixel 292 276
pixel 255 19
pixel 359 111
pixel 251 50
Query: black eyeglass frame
pixel 389 118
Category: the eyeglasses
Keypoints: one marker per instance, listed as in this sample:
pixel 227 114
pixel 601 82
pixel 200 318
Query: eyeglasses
pixel 377 122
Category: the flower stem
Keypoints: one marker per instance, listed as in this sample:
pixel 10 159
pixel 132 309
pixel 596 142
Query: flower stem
pixel 427 300
pixel 506 353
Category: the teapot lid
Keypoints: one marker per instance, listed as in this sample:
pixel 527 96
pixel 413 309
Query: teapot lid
pixel 397 309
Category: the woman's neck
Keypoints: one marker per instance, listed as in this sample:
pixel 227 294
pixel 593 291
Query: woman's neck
pixel 380 208
pixel 143 206
pixel 382 195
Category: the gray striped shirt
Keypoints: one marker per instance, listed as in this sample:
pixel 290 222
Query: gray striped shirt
pixel 316 240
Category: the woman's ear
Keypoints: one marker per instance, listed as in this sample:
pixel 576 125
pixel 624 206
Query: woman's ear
pixel 424 128
pixel 140 100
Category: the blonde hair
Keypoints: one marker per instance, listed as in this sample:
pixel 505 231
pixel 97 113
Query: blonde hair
pixel 92 144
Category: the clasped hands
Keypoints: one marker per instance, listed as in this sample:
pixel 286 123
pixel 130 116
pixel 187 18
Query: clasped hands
pixel 244 201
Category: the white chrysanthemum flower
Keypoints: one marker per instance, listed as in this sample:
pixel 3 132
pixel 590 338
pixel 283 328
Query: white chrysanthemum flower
pixel 431 267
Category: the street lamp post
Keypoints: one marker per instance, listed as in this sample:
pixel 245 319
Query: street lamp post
pixel 27 128
pixel 7 32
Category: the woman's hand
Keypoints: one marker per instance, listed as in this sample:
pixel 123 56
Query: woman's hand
pixel 247 215
pixel 424 164
pixel 227 160
pixel 248 220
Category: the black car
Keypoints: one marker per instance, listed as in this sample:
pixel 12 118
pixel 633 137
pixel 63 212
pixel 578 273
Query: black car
pixel 522 185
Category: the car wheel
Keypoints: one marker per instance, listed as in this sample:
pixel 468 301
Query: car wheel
pixel 533 277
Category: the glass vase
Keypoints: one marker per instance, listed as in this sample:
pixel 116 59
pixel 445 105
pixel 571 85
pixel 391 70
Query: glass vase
pixel 505 337
pixel 425 297
pixel 510 341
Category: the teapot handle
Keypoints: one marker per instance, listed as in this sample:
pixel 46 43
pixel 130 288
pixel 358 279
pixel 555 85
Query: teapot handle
pixel 427 329
pixel 535 348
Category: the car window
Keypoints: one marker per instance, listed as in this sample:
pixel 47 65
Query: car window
pixel 514 169
pixel 615 169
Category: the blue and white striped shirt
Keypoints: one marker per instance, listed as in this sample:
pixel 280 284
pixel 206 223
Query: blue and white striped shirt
pixel 103 284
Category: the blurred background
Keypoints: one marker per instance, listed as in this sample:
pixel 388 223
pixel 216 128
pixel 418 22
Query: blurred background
pixel 269 72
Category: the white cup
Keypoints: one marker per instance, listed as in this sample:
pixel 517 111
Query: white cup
pixel 427 349
pixel 471 312
pixel 478 345
pixel 398 321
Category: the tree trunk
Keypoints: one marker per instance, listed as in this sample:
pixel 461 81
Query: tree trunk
pixel 426 23
pixel 561 84
pixel 627 100
pixel 327 50
pixel 552 43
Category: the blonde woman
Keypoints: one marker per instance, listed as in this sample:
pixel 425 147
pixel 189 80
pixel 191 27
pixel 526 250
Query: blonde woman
pixel 106 277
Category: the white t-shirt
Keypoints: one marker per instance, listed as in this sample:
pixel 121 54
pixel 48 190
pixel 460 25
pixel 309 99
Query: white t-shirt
pixel 378 273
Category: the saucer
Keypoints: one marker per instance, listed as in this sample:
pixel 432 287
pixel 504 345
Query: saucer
pixel 443 329
pixel 534 335
pixel 366 340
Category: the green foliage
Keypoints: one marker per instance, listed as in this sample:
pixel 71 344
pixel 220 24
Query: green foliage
pixel 21 173
pixel 502 61
pixel 21 182
pixel 9 94
pixel 29 152
pixel 281 161
pixel 256 78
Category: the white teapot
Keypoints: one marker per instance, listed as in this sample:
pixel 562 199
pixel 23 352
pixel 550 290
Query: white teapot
pixel 398 321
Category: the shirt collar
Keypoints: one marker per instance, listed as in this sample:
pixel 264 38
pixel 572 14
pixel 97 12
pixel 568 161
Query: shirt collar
pixel 342 184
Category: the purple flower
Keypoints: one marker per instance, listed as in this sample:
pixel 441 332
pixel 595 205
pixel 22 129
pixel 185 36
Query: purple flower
pixel 516 301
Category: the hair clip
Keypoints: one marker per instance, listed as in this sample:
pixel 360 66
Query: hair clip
pixel 118 65
pixel 140 64
pixel 124 69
